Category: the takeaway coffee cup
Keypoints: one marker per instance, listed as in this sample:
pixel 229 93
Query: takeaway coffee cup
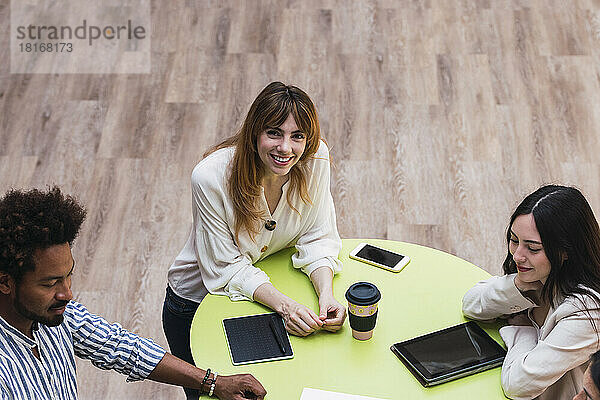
pixel 362 309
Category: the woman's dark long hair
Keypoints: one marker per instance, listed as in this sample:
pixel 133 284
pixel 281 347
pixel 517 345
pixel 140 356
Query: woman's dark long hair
pixel 570 238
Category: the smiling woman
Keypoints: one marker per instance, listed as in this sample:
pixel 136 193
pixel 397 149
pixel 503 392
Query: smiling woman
pixel 525 246
pixel 261 190
pixel 280 148
pixel 550 295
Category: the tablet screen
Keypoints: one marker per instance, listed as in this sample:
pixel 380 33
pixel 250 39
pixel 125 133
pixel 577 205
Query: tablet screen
pixel 450 350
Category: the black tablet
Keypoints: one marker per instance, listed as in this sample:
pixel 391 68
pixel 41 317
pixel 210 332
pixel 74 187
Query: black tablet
pixel 257 338
pixel 449 354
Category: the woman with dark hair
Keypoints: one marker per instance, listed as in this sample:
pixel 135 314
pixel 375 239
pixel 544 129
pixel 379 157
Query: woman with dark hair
pixel 591 380
pixel 264 189
pixel 550 294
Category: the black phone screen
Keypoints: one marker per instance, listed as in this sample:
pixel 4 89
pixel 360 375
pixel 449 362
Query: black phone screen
pixel 380 256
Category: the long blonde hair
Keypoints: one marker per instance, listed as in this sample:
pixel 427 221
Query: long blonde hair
pixel 270 109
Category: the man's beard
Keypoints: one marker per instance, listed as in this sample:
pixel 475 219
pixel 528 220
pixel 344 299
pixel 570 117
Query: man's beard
pixel 54 320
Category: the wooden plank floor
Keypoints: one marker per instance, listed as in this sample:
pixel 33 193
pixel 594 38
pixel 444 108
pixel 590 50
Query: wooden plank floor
pixel 441 115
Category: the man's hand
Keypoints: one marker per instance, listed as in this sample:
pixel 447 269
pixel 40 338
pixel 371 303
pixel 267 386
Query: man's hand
pixel 239 387
pixel 177 372
pixel 332 313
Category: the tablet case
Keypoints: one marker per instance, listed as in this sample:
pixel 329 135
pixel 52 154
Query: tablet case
pixel 492 362
pixel 251 339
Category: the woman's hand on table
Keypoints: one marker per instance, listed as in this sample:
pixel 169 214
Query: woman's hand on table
pixel 239 387
pixel 331 313
pixel 299 319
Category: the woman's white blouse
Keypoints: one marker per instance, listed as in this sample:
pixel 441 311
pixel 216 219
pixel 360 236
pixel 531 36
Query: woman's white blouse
pixel 212 262
pixel 543 362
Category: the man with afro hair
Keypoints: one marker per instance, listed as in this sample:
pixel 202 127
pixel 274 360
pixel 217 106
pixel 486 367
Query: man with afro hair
pixel 42 328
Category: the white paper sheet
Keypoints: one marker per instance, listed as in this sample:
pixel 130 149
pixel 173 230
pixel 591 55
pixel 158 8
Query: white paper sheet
pixel 316 394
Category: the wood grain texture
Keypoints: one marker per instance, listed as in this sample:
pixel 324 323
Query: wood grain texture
pixel 440 115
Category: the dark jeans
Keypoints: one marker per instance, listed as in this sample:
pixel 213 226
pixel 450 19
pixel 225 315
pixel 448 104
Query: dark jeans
pixel 177 318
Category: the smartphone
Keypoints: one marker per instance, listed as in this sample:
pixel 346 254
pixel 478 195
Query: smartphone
pixel 379 257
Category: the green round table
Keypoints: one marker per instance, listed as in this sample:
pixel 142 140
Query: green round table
pixel 424 297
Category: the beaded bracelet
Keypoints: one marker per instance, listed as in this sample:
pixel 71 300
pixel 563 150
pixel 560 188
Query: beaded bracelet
pixel 212 385
pixel 204 380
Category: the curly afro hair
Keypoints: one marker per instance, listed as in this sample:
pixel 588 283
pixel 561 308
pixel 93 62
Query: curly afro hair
pixel 31 220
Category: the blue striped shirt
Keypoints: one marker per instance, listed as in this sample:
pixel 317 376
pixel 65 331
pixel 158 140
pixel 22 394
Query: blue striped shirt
pixel 82 334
